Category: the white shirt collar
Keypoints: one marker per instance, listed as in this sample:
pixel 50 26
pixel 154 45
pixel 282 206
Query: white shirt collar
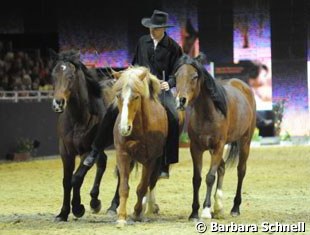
pixel 156 41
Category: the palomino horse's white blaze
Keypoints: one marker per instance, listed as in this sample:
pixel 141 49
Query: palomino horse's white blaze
pixel 124 129
pixel 218 204
pixel 177 101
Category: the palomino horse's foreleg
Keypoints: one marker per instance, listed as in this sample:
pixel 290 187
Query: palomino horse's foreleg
pixel 123 164
pixel 115 201
pixel 142 189
pixel 244 153
pixel 95 203
pixel 196 181
pixel 218 196
pixel 68 168
pixel 216 158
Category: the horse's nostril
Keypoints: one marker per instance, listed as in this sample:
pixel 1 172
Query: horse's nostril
pixel 182 101
pixel 128 128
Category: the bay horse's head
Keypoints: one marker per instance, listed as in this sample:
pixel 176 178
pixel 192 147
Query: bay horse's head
pixel 133 85
pixel 188 80
pixel 63 74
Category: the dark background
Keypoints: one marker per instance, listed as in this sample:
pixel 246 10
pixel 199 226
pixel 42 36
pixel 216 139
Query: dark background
pixel 35 24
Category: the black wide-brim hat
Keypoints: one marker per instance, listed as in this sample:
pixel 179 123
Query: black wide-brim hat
pixel 159 19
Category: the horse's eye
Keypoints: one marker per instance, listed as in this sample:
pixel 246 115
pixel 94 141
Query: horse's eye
pixel 136 97
pixel 118 96
pixel 195 77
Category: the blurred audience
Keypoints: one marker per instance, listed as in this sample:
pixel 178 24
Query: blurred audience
pixel 22 71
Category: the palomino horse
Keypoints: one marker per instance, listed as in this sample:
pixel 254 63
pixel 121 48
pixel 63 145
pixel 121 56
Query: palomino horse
pixel 140 134
pixel 78 100
pixel 222 112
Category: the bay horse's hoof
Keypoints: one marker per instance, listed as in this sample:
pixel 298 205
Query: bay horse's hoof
pixel 219 214
pixel 136 218
pixel 156 209
pixel 234 213
pixel 121 223
pixel 61 218
pixel 95 205
pixel 111 213
pixel 78 211
pixel 193 219
pixel 206 213
pixel 153 210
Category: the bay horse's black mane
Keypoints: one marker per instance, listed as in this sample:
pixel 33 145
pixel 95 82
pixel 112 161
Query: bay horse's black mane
pixel 214 88
pixel 93 85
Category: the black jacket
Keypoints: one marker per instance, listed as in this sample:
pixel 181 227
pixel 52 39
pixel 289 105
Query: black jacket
pixel 162 59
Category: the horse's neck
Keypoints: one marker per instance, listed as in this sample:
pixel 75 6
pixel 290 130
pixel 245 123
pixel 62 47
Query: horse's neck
pixel 142 118
pixel 204 105
pixel 78 104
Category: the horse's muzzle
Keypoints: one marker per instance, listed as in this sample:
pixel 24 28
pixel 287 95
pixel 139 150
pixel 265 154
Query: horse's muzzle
pixel 58 105
pixel 126 131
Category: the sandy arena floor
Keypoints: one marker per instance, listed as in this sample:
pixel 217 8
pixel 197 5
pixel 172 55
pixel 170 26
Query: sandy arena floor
pixel 276 189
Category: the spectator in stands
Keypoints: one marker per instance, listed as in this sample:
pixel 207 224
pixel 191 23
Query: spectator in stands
pixel 257 76
pixel 18 70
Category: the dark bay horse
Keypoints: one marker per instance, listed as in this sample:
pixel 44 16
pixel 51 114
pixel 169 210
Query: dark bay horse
pixel 78 100
pixel 222 112
pixel 140 134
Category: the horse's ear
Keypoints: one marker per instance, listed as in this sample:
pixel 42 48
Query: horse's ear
pixel 201 58
pixel 143 74
pixel 76 56
pixel 154 85
pixel 52 54
pixel 116 74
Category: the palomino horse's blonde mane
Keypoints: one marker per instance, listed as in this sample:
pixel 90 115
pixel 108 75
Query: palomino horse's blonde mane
pixel 140 80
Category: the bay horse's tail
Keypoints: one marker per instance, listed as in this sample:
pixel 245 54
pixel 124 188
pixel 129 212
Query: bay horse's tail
pixel 232 153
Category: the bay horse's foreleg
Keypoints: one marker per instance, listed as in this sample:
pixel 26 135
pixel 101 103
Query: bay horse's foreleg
pixel 78 209
pixel 147 170
pixel 216 158
pixel 153 207
pixel 68 168
pixel 243 157
pixel 218 196
pixel 196 181
pixel 115 201
pixel 95 203
pixel 123 164
pixel 77 180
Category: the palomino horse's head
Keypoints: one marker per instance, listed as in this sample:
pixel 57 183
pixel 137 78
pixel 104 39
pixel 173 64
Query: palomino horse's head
pixel 133 85
pixel 188 82
pixel 64 74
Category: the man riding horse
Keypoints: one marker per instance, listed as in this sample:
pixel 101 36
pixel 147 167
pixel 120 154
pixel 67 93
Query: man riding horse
pixel 159 53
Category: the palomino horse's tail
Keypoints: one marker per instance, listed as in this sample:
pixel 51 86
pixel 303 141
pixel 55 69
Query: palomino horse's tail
pixel 232 154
